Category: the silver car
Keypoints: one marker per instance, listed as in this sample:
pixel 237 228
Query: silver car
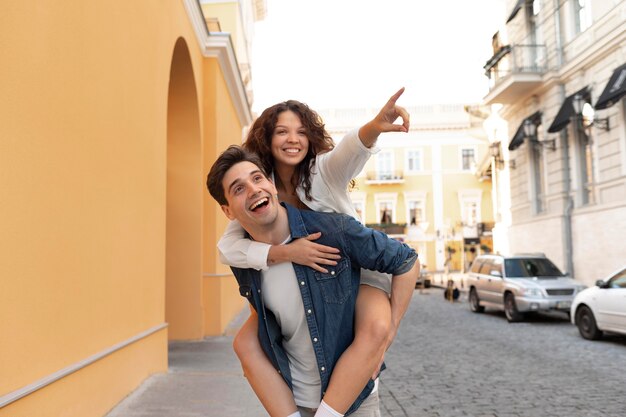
pixel 519 284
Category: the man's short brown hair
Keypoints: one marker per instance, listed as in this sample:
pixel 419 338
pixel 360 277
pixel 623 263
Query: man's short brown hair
pixel 231 156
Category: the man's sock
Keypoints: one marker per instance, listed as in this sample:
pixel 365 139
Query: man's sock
pixel 296 414
pixel 326 410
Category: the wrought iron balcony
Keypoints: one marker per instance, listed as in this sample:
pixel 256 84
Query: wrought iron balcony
pixel 384 177
pixel 514 71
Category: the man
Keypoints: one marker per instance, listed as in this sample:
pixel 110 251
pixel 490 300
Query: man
pixel 306 318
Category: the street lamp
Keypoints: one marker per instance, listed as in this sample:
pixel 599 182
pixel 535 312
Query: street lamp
pixel 530 131
pixel 494 151
pixel 584 110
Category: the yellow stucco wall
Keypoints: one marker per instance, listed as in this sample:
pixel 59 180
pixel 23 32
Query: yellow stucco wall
pixel 84 156
pixel 220 291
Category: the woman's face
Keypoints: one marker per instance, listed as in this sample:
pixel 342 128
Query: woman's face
pixel 289 141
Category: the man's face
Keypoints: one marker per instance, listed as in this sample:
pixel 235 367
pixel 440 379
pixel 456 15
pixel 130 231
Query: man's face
pixel 250 195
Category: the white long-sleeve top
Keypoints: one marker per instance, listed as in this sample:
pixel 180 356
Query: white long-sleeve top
pixel 330 178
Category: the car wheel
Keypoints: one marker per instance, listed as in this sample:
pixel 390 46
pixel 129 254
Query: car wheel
pixel 586 323
pixel 510 309
pixel 474 302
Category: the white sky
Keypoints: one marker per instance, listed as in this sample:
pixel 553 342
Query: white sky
pixel 356 53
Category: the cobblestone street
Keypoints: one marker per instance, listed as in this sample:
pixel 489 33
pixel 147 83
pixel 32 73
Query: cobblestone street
pixel 448 361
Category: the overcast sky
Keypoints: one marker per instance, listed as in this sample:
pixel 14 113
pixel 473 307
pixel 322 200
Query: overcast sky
pixel 356 53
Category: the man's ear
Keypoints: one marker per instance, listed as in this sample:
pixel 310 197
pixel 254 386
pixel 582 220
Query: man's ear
pixel 227 212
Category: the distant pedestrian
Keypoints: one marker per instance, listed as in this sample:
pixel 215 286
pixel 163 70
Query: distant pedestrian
pixel 451 292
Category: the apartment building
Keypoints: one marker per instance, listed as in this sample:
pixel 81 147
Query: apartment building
pixel 559 70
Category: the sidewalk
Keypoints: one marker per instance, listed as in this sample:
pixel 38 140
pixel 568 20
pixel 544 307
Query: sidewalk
pixel 204 380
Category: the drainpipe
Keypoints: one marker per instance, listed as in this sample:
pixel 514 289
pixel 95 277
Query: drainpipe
pixel 568 247
pixel 557 34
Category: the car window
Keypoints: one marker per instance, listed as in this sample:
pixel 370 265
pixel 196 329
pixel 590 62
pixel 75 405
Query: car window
pixel 476 265
pixel 486 267
pixel 619 280
pixel 530 267
pixel 497 265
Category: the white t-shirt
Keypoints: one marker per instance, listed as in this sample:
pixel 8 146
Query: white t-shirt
pixel 281 295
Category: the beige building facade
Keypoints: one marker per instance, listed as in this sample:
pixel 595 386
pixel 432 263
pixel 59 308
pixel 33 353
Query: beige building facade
pixel 558 70
pixel 111 115
pixel 420 186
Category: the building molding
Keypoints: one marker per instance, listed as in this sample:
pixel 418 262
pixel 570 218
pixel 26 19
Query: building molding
pixel 220 46
pixel 62 373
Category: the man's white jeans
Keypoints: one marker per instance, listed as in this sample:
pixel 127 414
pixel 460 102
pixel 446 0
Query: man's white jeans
pixel 369 408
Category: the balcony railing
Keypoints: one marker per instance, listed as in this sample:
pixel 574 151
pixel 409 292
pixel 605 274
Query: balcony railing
pixel 514 70
pixel 384 177
pixel 515 59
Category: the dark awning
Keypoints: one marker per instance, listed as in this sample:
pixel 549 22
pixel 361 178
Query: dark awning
pixel 516 9
pixel 614 90
pixel 566 111
pixel 519 136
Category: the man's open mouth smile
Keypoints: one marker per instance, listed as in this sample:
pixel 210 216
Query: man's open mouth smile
pixel 259 203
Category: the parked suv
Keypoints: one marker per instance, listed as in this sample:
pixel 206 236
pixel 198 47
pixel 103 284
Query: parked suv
pixel 519 284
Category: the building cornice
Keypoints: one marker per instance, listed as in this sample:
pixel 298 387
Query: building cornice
pixel 220 46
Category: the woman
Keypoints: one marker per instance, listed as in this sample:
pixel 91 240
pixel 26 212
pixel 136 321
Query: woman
pixel 309 171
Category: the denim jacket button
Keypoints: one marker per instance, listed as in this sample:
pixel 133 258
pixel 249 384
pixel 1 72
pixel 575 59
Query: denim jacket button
pixel 309 311
pixel 332 272
pixel 323 369
pixel 315 339
pixel 301 282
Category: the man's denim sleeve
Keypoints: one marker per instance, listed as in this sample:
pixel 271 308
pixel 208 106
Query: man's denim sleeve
pixel 406 265
pixel 374 250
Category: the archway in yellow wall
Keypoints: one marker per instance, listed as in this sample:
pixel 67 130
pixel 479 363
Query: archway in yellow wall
pixel 183 287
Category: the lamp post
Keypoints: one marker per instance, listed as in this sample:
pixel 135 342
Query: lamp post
pixel 530 131
pixel 587 115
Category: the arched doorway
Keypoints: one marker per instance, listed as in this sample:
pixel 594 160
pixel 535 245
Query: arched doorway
pixel 183 303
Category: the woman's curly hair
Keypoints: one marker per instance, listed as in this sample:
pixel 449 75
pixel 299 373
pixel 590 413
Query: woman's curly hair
pixel 259 140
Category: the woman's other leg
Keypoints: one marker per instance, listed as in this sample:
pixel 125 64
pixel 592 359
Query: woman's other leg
pixel 268 385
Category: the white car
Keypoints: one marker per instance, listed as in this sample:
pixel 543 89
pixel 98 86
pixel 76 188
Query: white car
pixel 601 308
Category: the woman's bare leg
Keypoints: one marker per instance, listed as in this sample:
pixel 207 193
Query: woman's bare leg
pixel 268 385
pixel 357 363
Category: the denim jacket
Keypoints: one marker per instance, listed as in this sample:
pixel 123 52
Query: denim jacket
pixel 329 299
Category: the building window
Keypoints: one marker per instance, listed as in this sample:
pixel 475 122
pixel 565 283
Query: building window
pixel 582 15
pixel 359 207
pixel 469 201
pixel 385 204
pixel 385 212
pixel 358 202
pixel 538 177
pixel 585 157
pixel 585 161
pixel 470 213
pixel 535 50
pixel 468 160
pixel 414 160
pixel 384 165
pixel 538 173
pixel 415 212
